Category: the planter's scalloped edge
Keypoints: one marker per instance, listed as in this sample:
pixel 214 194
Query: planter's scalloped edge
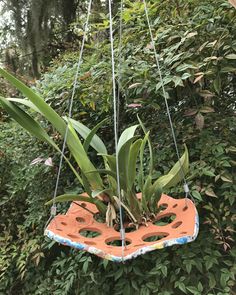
pixel 159 245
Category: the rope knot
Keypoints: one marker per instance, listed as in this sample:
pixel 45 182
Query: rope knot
pixel 54 210
pixel 186 188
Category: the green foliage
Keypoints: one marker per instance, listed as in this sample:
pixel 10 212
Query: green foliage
pixel 204 119
pixel 127 152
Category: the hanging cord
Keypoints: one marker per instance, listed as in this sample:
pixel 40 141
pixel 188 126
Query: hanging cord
pixel 71 100
pixel 119 62
pixel 122 230
pixel 186 188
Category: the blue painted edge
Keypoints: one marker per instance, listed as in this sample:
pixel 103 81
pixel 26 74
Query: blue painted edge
pixel 141 251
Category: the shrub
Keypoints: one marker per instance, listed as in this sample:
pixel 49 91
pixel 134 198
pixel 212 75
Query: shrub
pixel 206 266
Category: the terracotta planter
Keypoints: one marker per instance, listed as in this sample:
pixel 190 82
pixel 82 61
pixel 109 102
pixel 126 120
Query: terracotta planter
pixel 233 3
pixel 73 228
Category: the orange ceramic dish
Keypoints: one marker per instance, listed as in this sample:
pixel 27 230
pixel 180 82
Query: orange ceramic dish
pixel 73 230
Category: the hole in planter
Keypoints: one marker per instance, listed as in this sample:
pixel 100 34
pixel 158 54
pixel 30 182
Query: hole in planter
pixel 72 236
pixel 153 237
pixel 99 218
pixel 163 206
pixel 89 233
pixel 90 243
pixel 117 242
pixel 177 224
pixel 183 233
pixel 175 205
pixel 80 219
pixel 83 205
pixel 130 229
pixel 164 220
pixel 63 223
pixel 185 208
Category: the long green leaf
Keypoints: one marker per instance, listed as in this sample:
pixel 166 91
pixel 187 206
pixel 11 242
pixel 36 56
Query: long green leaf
pixel 70 198
pixel 26 121
pixel 110 164
pixel 86 184
pixel 103 171
pixel 132 169
pixel 126 135
pixel 149 145
pixel 110 160
pixel 97 193
pixel 46 110
pixel 25 102
pixel 100 148
pixel 141 155
pixel 153 201
pixel 73 141
pixel 82 159
pixel 146 192
pixel 175 175
pixel 32 126
pixel 89 135
pixel 123 157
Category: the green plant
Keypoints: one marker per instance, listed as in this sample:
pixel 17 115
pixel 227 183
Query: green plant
pixel 104 196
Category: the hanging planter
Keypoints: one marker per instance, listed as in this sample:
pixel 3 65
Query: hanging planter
pixel 111 191
pixel 176 223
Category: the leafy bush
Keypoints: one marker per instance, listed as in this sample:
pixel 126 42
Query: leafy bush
pixel 206 266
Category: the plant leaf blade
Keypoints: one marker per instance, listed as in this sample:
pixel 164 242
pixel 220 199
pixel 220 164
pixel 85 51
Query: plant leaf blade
pixel 175 175
pixel 125 136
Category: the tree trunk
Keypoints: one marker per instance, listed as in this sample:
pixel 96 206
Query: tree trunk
pixel 69 16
